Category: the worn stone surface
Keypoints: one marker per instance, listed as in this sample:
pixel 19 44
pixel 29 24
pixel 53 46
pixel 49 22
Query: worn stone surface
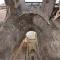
pixel 13 31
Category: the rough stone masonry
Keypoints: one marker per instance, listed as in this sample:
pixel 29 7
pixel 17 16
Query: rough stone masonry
pixel 22 17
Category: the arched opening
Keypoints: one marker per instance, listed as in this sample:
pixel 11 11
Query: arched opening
pixel 29 47
pixel 31 35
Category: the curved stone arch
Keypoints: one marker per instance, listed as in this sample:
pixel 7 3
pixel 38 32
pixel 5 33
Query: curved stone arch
pixel 37 29
pixel 41 14
pixel 33 23
pixel 26 28
pixel 45 35
pixel 31 27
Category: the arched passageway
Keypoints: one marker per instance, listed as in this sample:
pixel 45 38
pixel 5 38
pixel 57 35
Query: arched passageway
pixel 28 49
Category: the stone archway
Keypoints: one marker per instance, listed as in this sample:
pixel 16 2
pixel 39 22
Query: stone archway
pixel 24 51
pixel 16 26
